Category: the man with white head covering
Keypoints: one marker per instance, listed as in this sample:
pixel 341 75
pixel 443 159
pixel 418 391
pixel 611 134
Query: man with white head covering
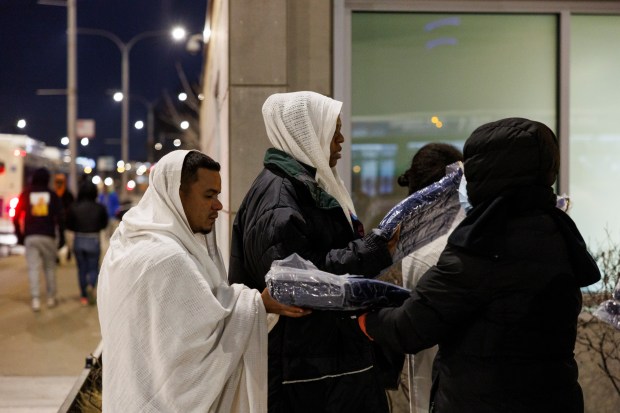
pixel 176 336
pixel 298 204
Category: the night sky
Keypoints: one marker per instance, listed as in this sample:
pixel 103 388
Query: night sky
pixel 33 55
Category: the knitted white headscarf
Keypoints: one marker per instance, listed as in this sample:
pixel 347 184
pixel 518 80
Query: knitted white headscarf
pixel 302 124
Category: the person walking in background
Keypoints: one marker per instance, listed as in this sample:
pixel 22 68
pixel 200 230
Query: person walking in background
pixel 86 218
pixel 298 204
pixel 67 198
pixel 428 165
pixel 502 301
pixel 109 199
pixel 42 233
pixel 176 336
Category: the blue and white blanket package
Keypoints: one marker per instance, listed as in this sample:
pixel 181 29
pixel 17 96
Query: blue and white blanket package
pixel 609 310
pixel 295 281
pixel 424 215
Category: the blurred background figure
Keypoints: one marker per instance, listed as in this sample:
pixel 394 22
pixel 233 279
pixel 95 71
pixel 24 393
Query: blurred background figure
pixel 42 215
pixel 87 218
pixel 109 199
pixel 428 165
pixel 66 198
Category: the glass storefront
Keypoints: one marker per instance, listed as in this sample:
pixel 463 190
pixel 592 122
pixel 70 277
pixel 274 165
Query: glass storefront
pixel 595 127
pixel 419 78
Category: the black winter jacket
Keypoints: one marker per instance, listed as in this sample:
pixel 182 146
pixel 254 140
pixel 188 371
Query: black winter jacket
pixel 48 220
pixel 503 300
pixel 284 212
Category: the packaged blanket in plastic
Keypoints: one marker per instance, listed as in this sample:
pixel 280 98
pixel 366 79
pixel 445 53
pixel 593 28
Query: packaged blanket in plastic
pixel 424 215
pixel 609 311
pixel 295 281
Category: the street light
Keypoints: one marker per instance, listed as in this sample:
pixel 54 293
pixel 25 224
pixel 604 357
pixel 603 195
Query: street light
pixel 118 97
pixel 125 49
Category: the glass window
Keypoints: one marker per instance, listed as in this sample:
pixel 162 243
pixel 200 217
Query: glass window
pixel 426 77
pixel 594 149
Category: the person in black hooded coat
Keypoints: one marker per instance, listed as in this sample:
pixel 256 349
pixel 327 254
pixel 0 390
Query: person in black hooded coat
pixel 39 226
pixel 503 300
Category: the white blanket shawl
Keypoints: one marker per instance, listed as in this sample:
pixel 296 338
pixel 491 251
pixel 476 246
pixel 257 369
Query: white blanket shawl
pixel 176 336
pixel 302 124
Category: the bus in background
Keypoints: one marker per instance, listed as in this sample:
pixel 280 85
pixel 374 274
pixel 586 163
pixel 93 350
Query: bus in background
pixel 20 156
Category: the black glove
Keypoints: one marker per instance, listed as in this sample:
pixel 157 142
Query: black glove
pixel 20 238
pixel 375 240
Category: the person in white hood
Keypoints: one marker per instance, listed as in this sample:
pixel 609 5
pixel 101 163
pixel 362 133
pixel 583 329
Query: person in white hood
pixel 298 204
pixel 176 336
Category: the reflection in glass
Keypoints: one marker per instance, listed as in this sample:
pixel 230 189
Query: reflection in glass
pixel 420 77
pixel 595 127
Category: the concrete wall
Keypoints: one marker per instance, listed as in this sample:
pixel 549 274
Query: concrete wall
pixel 275 46
pixel 256 48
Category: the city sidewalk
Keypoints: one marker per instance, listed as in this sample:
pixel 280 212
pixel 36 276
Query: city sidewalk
pixel 41 354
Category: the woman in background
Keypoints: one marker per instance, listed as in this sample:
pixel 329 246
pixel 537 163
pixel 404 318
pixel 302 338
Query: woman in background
pixel 428 165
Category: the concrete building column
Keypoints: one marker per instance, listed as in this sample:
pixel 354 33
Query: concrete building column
pixel 257 48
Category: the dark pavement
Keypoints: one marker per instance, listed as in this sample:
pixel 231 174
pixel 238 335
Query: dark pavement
pixel 41 354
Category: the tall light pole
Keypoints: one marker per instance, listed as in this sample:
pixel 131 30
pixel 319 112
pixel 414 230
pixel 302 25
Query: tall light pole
pixel 150 121
pixel 125 49
pixel 150 125
pixel 71 90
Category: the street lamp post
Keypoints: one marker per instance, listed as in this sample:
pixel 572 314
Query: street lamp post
pixel 125 49
pixel 150 124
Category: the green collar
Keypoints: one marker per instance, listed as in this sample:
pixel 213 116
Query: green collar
pixel 302 173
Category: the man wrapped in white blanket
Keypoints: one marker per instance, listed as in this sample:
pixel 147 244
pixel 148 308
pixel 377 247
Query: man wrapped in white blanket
pixel 176 336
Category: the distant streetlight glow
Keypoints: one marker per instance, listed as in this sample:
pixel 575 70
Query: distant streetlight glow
pixel 177 142
pixel 118 96
pixel 141 170
pixel 178 33
pixel 184 125
pixel 64 141
pixel 158 146
pixel 120 164
pixel 84 141
pixel 96 180
pixel 139 124
pixel 21 123
pixel 182 96
pixel 131 185
pixel 108 181
pixel 87 170
pixel 206 34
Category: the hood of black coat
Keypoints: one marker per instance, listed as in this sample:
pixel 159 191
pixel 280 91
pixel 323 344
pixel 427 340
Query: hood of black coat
pixel 509 153
pixel 87 191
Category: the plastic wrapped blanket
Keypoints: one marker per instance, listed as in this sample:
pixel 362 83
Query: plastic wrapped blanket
pixel 295 281
pixel 424 215
pixel 609 311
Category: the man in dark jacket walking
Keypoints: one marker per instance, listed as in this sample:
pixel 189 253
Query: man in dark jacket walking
pixel 297 204
pixel 43 224
pixel 86 218
pixel 503 300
